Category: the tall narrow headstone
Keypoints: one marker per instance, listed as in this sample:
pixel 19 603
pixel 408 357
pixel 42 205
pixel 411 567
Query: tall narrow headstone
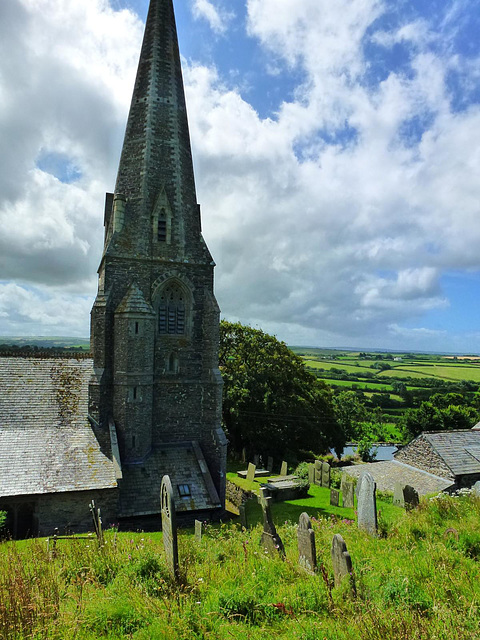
pixel 476 488
pixel 270 539
pixel 270 464
pixel 169 526
pixel 243 515
pixel 251 472
pixel 367 505
pixel 334 497
pixel 342 563
pixel 244 455
pixel 410 497
pixel 348 493
pixel 256 459
pixel 325 474
pixel 318 473
pixel 311 474
pixel 307 554
pixel 198 530
pixel 284 469
pixel 398 498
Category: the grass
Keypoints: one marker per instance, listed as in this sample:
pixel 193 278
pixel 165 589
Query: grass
pixel 415 581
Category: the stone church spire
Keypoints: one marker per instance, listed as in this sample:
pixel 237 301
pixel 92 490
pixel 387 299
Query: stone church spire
pixel 156 169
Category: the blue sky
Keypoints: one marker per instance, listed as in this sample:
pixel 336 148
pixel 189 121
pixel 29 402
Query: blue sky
pixel 337 155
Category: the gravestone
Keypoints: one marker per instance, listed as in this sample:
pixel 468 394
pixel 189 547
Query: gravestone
pixel 256 459
pixel 243 515
pixel 251 472
pixel 334 497
pixel 348 499
pixel 284 469
pixel 325 475
pixel 270 540
pixel 476 488
pixel 244 455
pixel 398 495
pixel 318 473
pixel 342 563
pixel 307 554
pixel 198 531
pixel 367 505
pixel 410 497
pixel 169 526
pixel 311 474
pixel 270 464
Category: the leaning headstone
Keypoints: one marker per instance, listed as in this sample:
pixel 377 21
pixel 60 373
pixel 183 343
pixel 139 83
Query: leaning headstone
pixel 242 509
pixel 410 497
pixel 198 531
pixel 284 469
pixel 318 472
pixel 169 526
pixel 256 459
pixel 398 498
pixel 311 474
pixel 476 488
pixel 325 475
pixel 348 499
pixel 270 541
pixel 307 554
pixel 334 497
pixel 367 505
pixel 270 464
pixel 342 563
pixel 251 472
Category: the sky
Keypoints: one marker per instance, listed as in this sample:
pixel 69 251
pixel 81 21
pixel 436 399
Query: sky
pixel 336 147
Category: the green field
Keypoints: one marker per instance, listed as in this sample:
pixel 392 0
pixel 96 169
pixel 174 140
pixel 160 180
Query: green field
pixel 441 371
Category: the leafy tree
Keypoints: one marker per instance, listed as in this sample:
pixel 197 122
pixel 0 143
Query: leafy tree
pixel 350 413
pixel 271 403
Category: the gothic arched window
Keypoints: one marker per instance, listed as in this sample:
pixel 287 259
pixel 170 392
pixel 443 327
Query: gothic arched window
pixel 172 310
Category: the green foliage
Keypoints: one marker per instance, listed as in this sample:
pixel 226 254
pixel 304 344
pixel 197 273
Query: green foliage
pixel 271 402
pixel 3 520
pixel 438 415
pixel 365 450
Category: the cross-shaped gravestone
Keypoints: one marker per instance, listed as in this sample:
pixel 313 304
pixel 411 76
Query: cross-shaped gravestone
pixel 318 472
pixel 270 464
pixel 284 469
pixel 270 540
pixel 334 497
pixel 342 563
pixel 198 530
pixel 251 472
pixel 348 500
pixel 307 554
pixel 410 497
pixel 398 498
pixel 325 474
pixel 169 526
pixel 367 504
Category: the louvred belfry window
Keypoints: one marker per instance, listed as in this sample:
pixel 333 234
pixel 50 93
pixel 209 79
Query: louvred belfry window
pixel 171 311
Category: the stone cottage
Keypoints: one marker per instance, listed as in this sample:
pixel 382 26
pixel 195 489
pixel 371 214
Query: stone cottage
pixel 149 401
pixel 454 455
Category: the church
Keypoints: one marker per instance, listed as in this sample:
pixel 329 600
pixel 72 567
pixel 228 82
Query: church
pixel 148 401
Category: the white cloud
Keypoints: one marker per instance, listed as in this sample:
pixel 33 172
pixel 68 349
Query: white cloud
pixel 217 18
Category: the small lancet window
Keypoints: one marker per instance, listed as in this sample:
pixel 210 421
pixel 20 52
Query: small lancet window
pixel 136 328
pixel 162 226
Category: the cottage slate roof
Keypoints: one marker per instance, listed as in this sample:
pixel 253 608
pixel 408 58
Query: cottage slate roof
pixel 47 444
pixel 459 449
pixel 185 464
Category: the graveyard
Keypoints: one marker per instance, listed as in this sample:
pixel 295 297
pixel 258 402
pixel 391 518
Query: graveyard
pixel 300 570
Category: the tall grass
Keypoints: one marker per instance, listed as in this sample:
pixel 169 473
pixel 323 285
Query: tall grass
pixel 420 580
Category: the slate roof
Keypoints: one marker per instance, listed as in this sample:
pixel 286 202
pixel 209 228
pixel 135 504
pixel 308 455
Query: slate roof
pixel 185 464
pixel 134 302
pixel 46 442
pixel 459 449
pixel 387 473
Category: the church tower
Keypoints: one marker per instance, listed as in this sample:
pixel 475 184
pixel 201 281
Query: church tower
pixel 154 328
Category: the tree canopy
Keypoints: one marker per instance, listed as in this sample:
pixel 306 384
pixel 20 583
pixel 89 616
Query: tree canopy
pixel 271 402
